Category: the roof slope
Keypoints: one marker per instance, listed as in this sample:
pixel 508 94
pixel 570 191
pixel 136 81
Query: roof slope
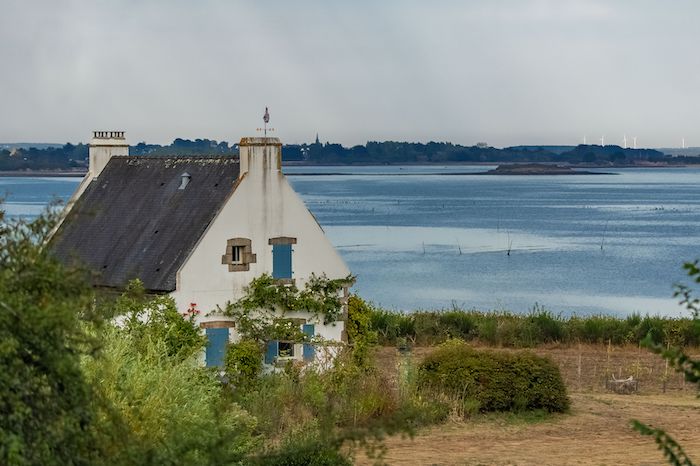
pixel 133 221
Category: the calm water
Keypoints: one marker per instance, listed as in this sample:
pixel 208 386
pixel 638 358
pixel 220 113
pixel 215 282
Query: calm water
pixel 419 238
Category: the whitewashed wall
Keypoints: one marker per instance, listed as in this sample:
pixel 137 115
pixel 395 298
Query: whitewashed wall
pixel 263 206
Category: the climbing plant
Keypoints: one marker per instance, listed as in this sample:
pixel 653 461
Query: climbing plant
pixel 262 313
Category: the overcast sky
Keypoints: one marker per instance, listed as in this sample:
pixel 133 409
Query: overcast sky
pixel 503 72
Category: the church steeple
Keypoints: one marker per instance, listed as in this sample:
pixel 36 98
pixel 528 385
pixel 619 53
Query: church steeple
pixel 317 141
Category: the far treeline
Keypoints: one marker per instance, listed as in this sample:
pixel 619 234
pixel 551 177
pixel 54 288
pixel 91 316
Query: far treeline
pixel 71 156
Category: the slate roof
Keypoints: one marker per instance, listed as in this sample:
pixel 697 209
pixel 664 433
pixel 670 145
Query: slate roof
pixel 133 221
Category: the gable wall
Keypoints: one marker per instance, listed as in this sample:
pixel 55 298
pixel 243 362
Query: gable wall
pixel 263 206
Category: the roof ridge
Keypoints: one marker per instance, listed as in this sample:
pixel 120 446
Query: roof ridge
pixel 163 157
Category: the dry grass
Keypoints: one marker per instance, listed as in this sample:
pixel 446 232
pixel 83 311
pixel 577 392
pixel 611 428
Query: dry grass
pixel 596 432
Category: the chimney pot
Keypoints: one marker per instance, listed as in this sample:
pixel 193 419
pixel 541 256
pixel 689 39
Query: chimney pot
pixel 104 146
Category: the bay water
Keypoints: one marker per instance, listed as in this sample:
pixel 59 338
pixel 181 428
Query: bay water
pixel 430 237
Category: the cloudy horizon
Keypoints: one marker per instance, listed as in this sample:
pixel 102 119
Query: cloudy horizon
pixel 505 73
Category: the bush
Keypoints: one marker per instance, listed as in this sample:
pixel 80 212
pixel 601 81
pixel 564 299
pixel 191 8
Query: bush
pixel 359 328
pixel 243 363
pixel 526 330
pixel 45 317
pixel 303 450
pixel 497 381
pixel 157 408
pixel 148 318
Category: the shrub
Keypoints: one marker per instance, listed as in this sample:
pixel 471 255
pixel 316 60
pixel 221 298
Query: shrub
pixel 303 450
pixel 243 363
pixel 45 309
pixel 549 328
pixel 157 408
pixel 526 330
pixel 497 381
pixel 148 318
pixel 458 324
pixel 359 328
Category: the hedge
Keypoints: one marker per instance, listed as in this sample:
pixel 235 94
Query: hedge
pixel 493 380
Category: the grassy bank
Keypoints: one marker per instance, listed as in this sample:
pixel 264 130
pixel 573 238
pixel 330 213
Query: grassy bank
pixel 540 326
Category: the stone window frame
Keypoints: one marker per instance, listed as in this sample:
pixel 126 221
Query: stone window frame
pixel 283 240
pixel 247 256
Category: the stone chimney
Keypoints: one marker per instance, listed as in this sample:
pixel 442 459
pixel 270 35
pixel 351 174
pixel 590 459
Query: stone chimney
pixel 103 146
pixel 260 156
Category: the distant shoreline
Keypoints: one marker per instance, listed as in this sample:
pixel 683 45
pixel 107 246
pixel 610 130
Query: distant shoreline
pixel 42 173
pixel 80 174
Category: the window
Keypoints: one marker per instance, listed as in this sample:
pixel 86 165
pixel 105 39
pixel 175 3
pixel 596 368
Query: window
pixel 237 254
pixel 285 349
pixel 217 339
pixel 309 350
pixel 288 349
pixel 282 261
pixel 282 257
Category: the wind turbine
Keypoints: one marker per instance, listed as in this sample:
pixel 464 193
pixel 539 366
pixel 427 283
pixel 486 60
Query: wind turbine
pixel 634 142
pixel 624 141
pixel 584 139
pixel 602 141
pixel 682 143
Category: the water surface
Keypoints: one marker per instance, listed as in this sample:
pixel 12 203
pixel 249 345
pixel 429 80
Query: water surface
pixel 417 238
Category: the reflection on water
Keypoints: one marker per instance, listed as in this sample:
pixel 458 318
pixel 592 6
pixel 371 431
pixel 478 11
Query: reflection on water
pixel 578 244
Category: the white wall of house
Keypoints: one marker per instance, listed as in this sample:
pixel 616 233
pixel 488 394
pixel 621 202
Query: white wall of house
pixel 263 206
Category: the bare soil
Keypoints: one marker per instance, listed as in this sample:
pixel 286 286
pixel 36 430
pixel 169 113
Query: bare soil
pixel 596 432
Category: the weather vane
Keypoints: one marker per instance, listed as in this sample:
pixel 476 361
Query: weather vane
pixel 266 119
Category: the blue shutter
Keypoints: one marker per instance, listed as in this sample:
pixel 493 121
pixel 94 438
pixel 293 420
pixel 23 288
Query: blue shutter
pixel 272 351
pixel 216 346
pixel 309 350
pixel 282 261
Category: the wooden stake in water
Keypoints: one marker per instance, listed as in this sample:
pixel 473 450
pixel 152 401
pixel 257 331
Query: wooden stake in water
pixel 602 240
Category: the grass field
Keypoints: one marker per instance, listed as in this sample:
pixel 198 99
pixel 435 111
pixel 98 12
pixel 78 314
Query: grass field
pixel 595 432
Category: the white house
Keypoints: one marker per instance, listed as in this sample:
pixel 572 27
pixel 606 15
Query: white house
pixel 199 229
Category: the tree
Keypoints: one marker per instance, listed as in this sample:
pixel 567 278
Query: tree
pixel 682 363
pixel 46 313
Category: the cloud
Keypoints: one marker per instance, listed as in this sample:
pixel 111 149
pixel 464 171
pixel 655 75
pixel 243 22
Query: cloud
pixel 508 72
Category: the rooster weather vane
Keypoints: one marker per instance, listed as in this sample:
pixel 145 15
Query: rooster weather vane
pixel 266 119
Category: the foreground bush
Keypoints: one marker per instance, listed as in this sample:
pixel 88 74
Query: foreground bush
pixel 303 449
pixel 493 381
pixel 243 364
pixel 46 414
pixel 157 408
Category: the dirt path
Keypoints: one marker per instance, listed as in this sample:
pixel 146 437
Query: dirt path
pixel 595 432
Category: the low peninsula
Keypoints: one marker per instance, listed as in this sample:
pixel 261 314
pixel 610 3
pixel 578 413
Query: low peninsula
pixel 537 169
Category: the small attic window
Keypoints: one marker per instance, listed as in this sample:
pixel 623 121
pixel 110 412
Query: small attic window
pixel 184 180
pixel 237 254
